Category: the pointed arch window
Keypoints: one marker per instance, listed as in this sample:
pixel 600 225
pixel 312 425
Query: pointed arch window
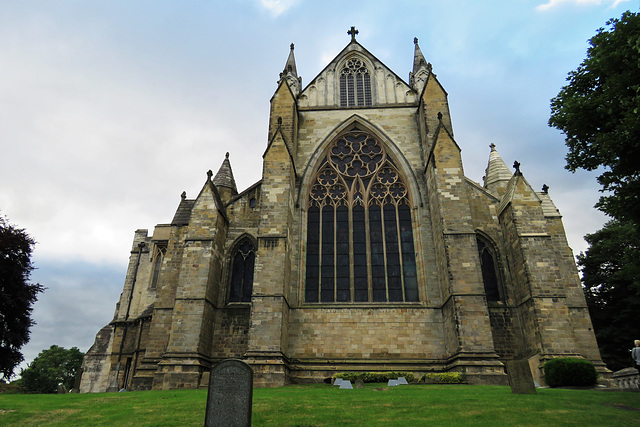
pixel 242 263
pixel 359 227
pixel 355 84
pixel 158 257
pixel 489 267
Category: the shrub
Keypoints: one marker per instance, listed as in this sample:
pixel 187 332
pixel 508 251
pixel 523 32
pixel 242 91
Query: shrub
pixel 374 377
pixel 444 378
pixel 569 371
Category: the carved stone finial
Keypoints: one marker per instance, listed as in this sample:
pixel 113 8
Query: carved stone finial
pixel 516 166
pixel 226 156
pixel 545 188
pixel 439 115
pixel 209 174
pixel 493 146
pixel 352 32
pixel 415 40
pixel 291 46
pixel 183 195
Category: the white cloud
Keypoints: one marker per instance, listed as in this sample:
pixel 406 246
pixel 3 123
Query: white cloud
pixel 555 3
pixel 278 7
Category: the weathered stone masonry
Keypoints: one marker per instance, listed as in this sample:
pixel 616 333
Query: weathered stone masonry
pixel 409 266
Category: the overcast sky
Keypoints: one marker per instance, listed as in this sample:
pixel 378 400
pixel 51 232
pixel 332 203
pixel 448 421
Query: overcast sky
pixel 109 110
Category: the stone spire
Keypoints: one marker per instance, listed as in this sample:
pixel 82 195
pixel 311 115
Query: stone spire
pixel 290 73
pixel 224 181
pixel 421 69
pixel 497 174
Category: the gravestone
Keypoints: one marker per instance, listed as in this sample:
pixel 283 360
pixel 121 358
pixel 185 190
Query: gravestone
pixel 230 394
pixel 392 383
pixel 402 381
pixel 346 384
pixel 520 378
pixel 338 381
pixel 359 383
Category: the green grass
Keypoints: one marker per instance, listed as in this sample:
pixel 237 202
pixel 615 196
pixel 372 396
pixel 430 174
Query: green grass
pixel 324 405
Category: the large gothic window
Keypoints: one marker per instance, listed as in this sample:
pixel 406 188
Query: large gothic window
pixel 359 228
pixel 242 263
pixel 355 84
pixel 489 266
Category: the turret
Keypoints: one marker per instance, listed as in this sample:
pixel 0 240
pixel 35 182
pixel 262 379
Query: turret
pixel 421 69
pixel 291 74
pixel 224 181
pixel 497 174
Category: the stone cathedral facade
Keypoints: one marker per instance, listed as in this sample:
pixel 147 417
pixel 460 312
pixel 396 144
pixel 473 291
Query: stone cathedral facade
pixel 363 248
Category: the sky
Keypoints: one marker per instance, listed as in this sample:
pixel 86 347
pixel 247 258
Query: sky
pixel 109 110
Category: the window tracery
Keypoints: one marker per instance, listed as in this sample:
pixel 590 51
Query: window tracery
pixel 355 84
pixel 158 258
pixel 359 227
pixel 242 264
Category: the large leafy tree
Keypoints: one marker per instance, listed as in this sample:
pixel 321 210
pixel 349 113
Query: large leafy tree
pixel 17 294
pixel 51 368
pixel 611 278
pixel 599 113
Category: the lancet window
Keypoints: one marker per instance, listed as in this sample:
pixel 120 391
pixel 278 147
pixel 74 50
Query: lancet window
pixel 242 263
pixel 158 257
pixel 359 228
pixel 489 266
pixel 355 84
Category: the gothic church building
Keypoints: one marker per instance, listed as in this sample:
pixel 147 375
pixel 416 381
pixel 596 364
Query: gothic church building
pixel 363 248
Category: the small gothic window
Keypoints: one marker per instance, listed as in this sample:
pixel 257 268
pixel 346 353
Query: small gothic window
pixel 355 84
pixel 242 263
pixel 359 227
pixel 252 202
pixel 489 266
pixel 158 257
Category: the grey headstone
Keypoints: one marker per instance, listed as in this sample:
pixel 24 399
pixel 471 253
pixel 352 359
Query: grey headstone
pixel 359 383
pixel 520 378
pixel 338 381
pixel 61 389
pixel 230 395
pixel 346 384
pixel 402 381
pixel 392 383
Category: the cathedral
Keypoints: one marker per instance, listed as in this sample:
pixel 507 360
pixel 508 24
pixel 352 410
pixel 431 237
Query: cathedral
pixel 363 248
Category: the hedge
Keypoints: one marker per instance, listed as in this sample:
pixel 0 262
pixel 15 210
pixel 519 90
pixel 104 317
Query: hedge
pixel 374 377
pixel 569 371
pixel 443 378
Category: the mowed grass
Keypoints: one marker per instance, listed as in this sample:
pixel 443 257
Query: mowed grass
pixel 324 405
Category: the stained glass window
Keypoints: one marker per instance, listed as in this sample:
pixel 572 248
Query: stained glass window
pixel 359 228
pixel 355 84
pixel 242 264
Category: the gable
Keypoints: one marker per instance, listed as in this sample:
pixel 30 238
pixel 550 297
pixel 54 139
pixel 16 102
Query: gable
pixel 386 88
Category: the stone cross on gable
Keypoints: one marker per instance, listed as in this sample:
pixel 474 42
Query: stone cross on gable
pixel 352 32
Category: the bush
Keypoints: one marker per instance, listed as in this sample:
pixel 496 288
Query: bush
pixel 443 378
pixel 569 371
pixel 374 377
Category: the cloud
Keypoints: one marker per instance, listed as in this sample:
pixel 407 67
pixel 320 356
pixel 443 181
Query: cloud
pixel 555 3
pixel 278 7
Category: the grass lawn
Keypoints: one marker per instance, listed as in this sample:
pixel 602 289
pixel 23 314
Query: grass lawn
pixel 318 405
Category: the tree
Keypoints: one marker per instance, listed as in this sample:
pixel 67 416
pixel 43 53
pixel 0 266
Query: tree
pixel 599 113
pixel 51 368
pixel 17 295
pixel 611 279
